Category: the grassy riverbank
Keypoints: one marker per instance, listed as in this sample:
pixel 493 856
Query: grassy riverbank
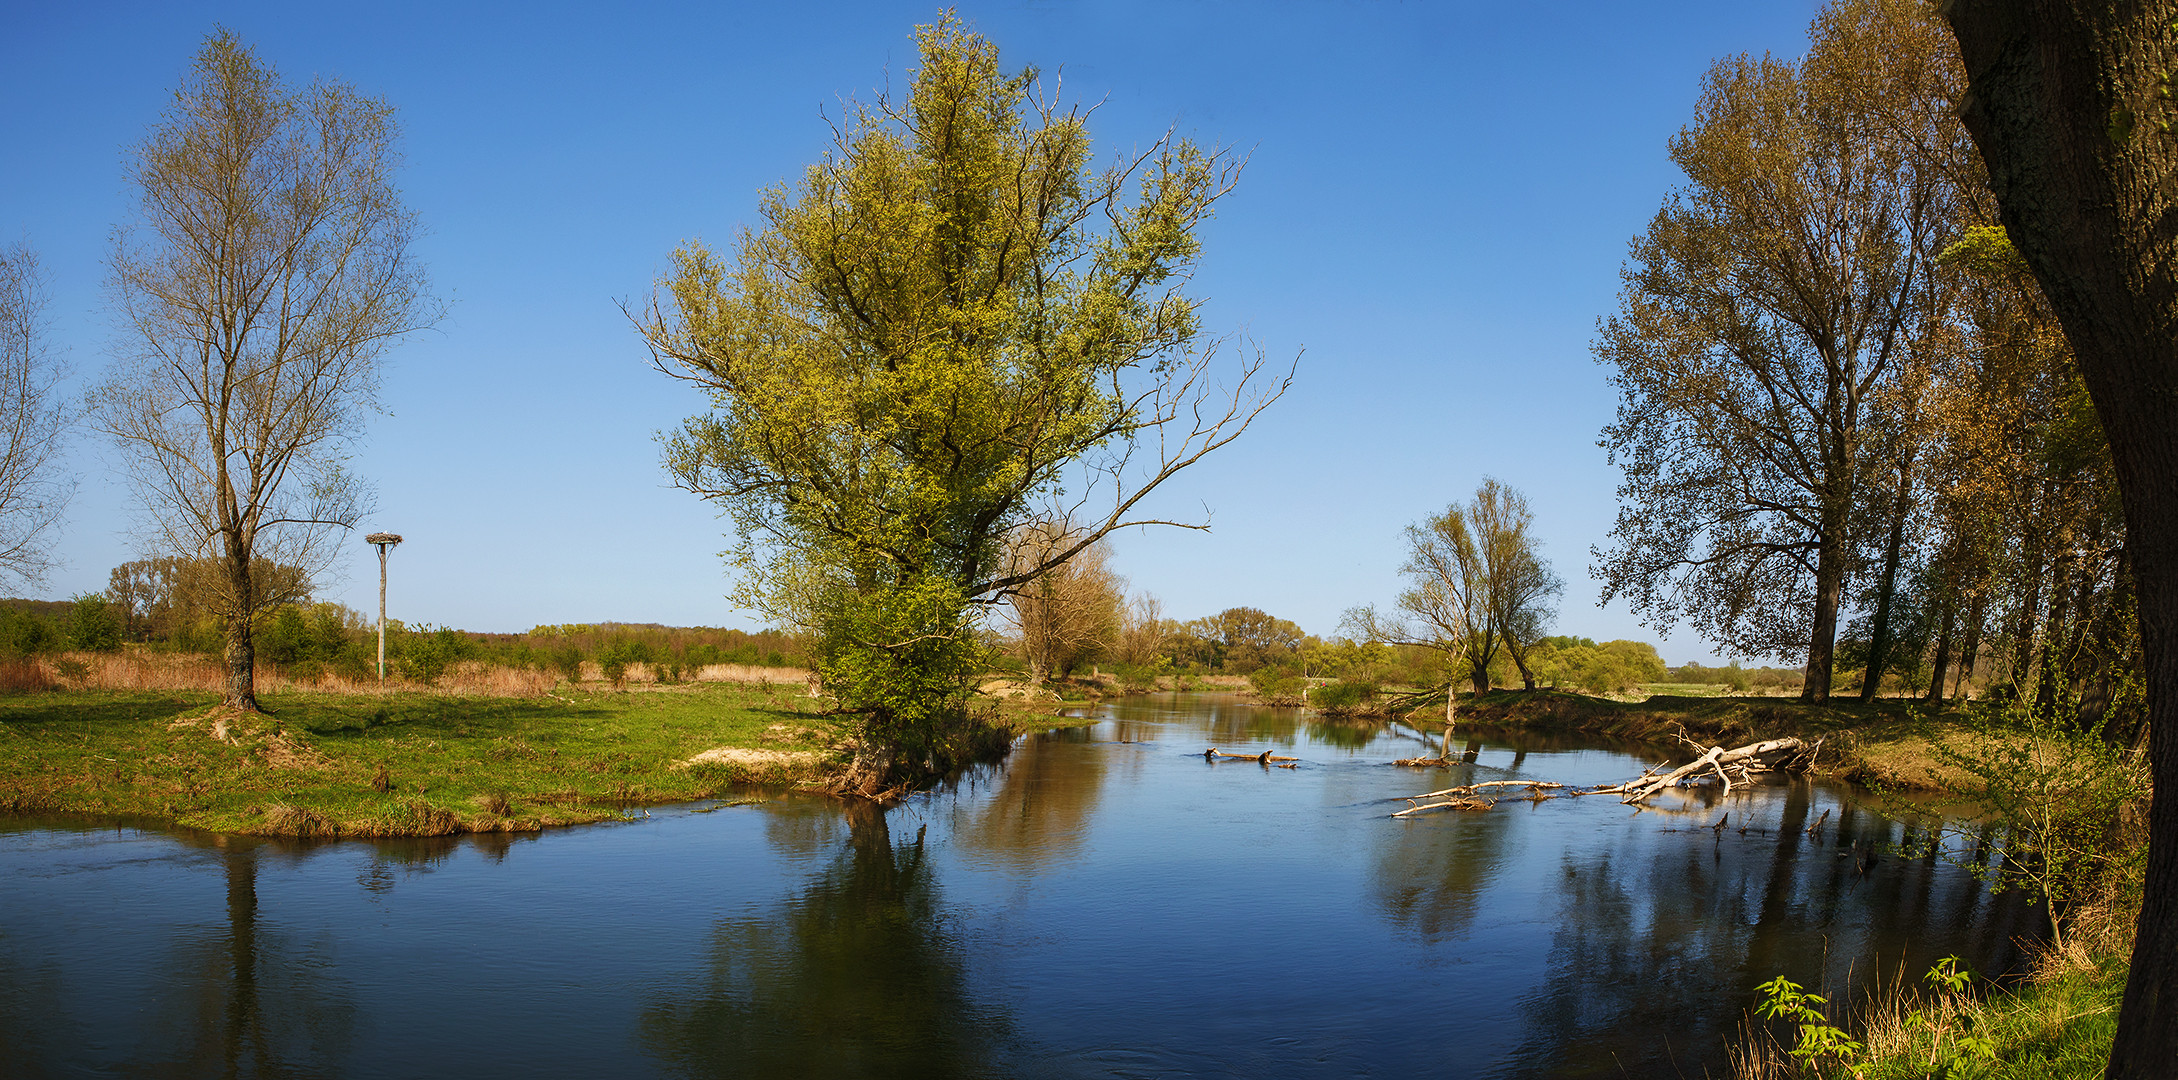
pixel 411 764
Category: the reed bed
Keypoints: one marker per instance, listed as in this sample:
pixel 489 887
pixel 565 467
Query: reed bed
pixel 145 670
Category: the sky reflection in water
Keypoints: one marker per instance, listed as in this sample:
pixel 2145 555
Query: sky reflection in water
pixel 1105 904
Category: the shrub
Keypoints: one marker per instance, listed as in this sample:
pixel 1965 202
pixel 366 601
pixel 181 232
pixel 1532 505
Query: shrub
pixel 566 658
pixel 1278 686
pixel 426 652
pixel 1343 698
pixel 94 625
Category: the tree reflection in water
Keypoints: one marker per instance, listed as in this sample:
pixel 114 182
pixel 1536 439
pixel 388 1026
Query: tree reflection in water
pixel 1039 814
pixel 255 1003
pixel 1672 940
pixel 856 976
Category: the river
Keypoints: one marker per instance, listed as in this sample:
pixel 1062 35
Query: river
pixel 1104 904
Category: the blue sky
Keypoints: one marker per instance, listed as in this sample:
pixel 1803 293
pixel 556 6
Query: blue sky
pixel 1436 209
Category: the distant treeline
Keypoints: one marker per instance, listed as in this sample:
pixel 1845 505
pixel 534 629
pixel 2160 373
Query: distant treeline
pixel 168 604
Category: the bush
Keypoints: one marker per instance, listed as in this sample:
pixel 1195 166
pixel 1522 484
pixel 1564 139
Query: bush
pixel 613 664
pixel 23 633
pixel 426 652
pixel 1343 698
pixel 1278 686
pixel 566 658
pixel 94 625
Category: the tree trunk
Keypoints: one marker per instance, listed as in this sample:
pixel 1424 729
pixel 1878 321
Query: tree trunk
pixel 2064 101
pixel 1879 638
pixel 1823 636
pixel 1971 649
pixel 1940 666
pixel 1520 660
pixel 239 688
pixel 2027 621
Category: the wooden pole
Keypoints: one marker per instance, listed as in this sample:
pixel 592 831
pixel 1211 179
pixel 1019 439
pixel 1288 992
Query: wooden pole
pixel 383 542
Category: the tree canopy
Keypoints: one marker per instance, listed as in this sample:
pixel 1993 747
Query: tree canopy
pixel 949 320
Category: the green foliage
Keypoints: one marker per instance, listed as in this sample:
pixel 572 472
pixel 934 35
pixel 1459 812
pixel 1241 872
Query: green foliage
pixel 1946 1018
pixel 1343 697
pixel 1612 667
pixel 1732 675
pixel 424 653
pixel 1279 685
pixel 73 670
pixel 2055 791
pixel 905 658
pixel 25 633
pixel 1783 999
pixel 923 338
pixel 1142 678
pixel 619 654
pixel 93 624
pixel 566 658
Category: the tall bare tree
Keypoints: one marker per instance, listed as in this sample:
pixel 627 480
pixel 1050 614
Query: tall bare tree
pixel 32 491
pixel 1764 308
pixel 1522 589
pixel 2069 103
pixel 1070 614
pixel 267 272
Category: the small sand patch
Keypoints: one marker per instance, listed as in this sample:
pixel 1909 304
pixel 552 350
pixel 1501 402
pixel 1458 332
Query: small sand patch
pixel 736 755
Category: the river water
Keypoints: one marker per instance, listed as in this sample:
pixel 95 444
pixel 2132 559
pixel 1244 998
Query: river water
pixel 1105 904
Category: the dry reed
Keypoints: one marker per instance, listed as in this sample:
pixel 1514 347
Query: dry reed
pixel 143 669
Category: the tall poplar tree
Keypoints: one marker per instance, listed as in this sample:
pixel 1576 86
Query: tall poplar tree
pixel 1764 311
pixel 266 274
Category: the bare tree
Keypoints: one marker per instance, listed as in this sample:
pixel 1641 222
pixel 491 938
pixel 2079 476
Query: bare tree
pixel 267 273
pixel 32 492
pixel 1520 585
pixel 1071 614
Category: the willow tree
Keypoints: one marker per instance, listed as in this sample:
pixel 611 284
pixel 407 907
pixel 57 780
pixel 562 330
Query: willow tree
pixel 1476 584
pixel 951 319
pixel 1767 305
pixel 267 272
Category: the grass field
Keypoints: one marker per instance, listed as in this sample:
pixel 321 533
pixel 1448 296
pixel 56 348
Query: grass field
pixel 404 763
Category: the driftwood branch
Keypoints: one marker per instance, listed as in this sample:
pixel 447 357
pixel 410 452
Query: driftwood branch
pixel 1732 767
pixel 1770 755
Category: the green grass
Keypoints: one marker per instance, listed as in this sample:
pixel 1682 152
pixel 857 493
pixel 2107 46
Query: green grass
pixel 2057 1029
pixel 316 766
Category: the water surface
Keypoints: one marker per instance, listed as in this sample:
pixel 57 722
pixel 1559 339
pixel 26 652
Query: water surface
pixel 1106 904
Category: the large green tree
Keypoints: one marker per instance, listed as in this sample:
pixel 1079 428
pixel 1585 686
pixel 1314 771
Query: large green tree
pixel 1767 308
pixel 2069 101
pixel 950 322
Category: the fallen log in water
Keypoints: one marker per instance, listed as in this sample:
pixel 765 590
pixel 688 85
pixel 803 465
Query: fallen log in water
pixel 1730 766
pixel 1466 797
pixel 1737 766
pixel 1264 758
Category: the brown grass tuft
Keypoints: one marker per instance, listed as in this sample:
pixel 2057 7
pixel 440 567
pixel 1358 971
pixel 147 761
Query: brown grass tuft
pixel 494 802
pixel 23 676
pixel 284 820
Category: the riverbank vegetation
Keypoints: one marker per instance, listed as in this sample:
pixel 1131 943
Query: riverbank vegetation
pixel 405 763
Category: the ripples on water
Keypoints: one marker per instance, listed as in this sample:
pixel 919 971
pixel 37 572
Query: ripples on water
pixel 1106 904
